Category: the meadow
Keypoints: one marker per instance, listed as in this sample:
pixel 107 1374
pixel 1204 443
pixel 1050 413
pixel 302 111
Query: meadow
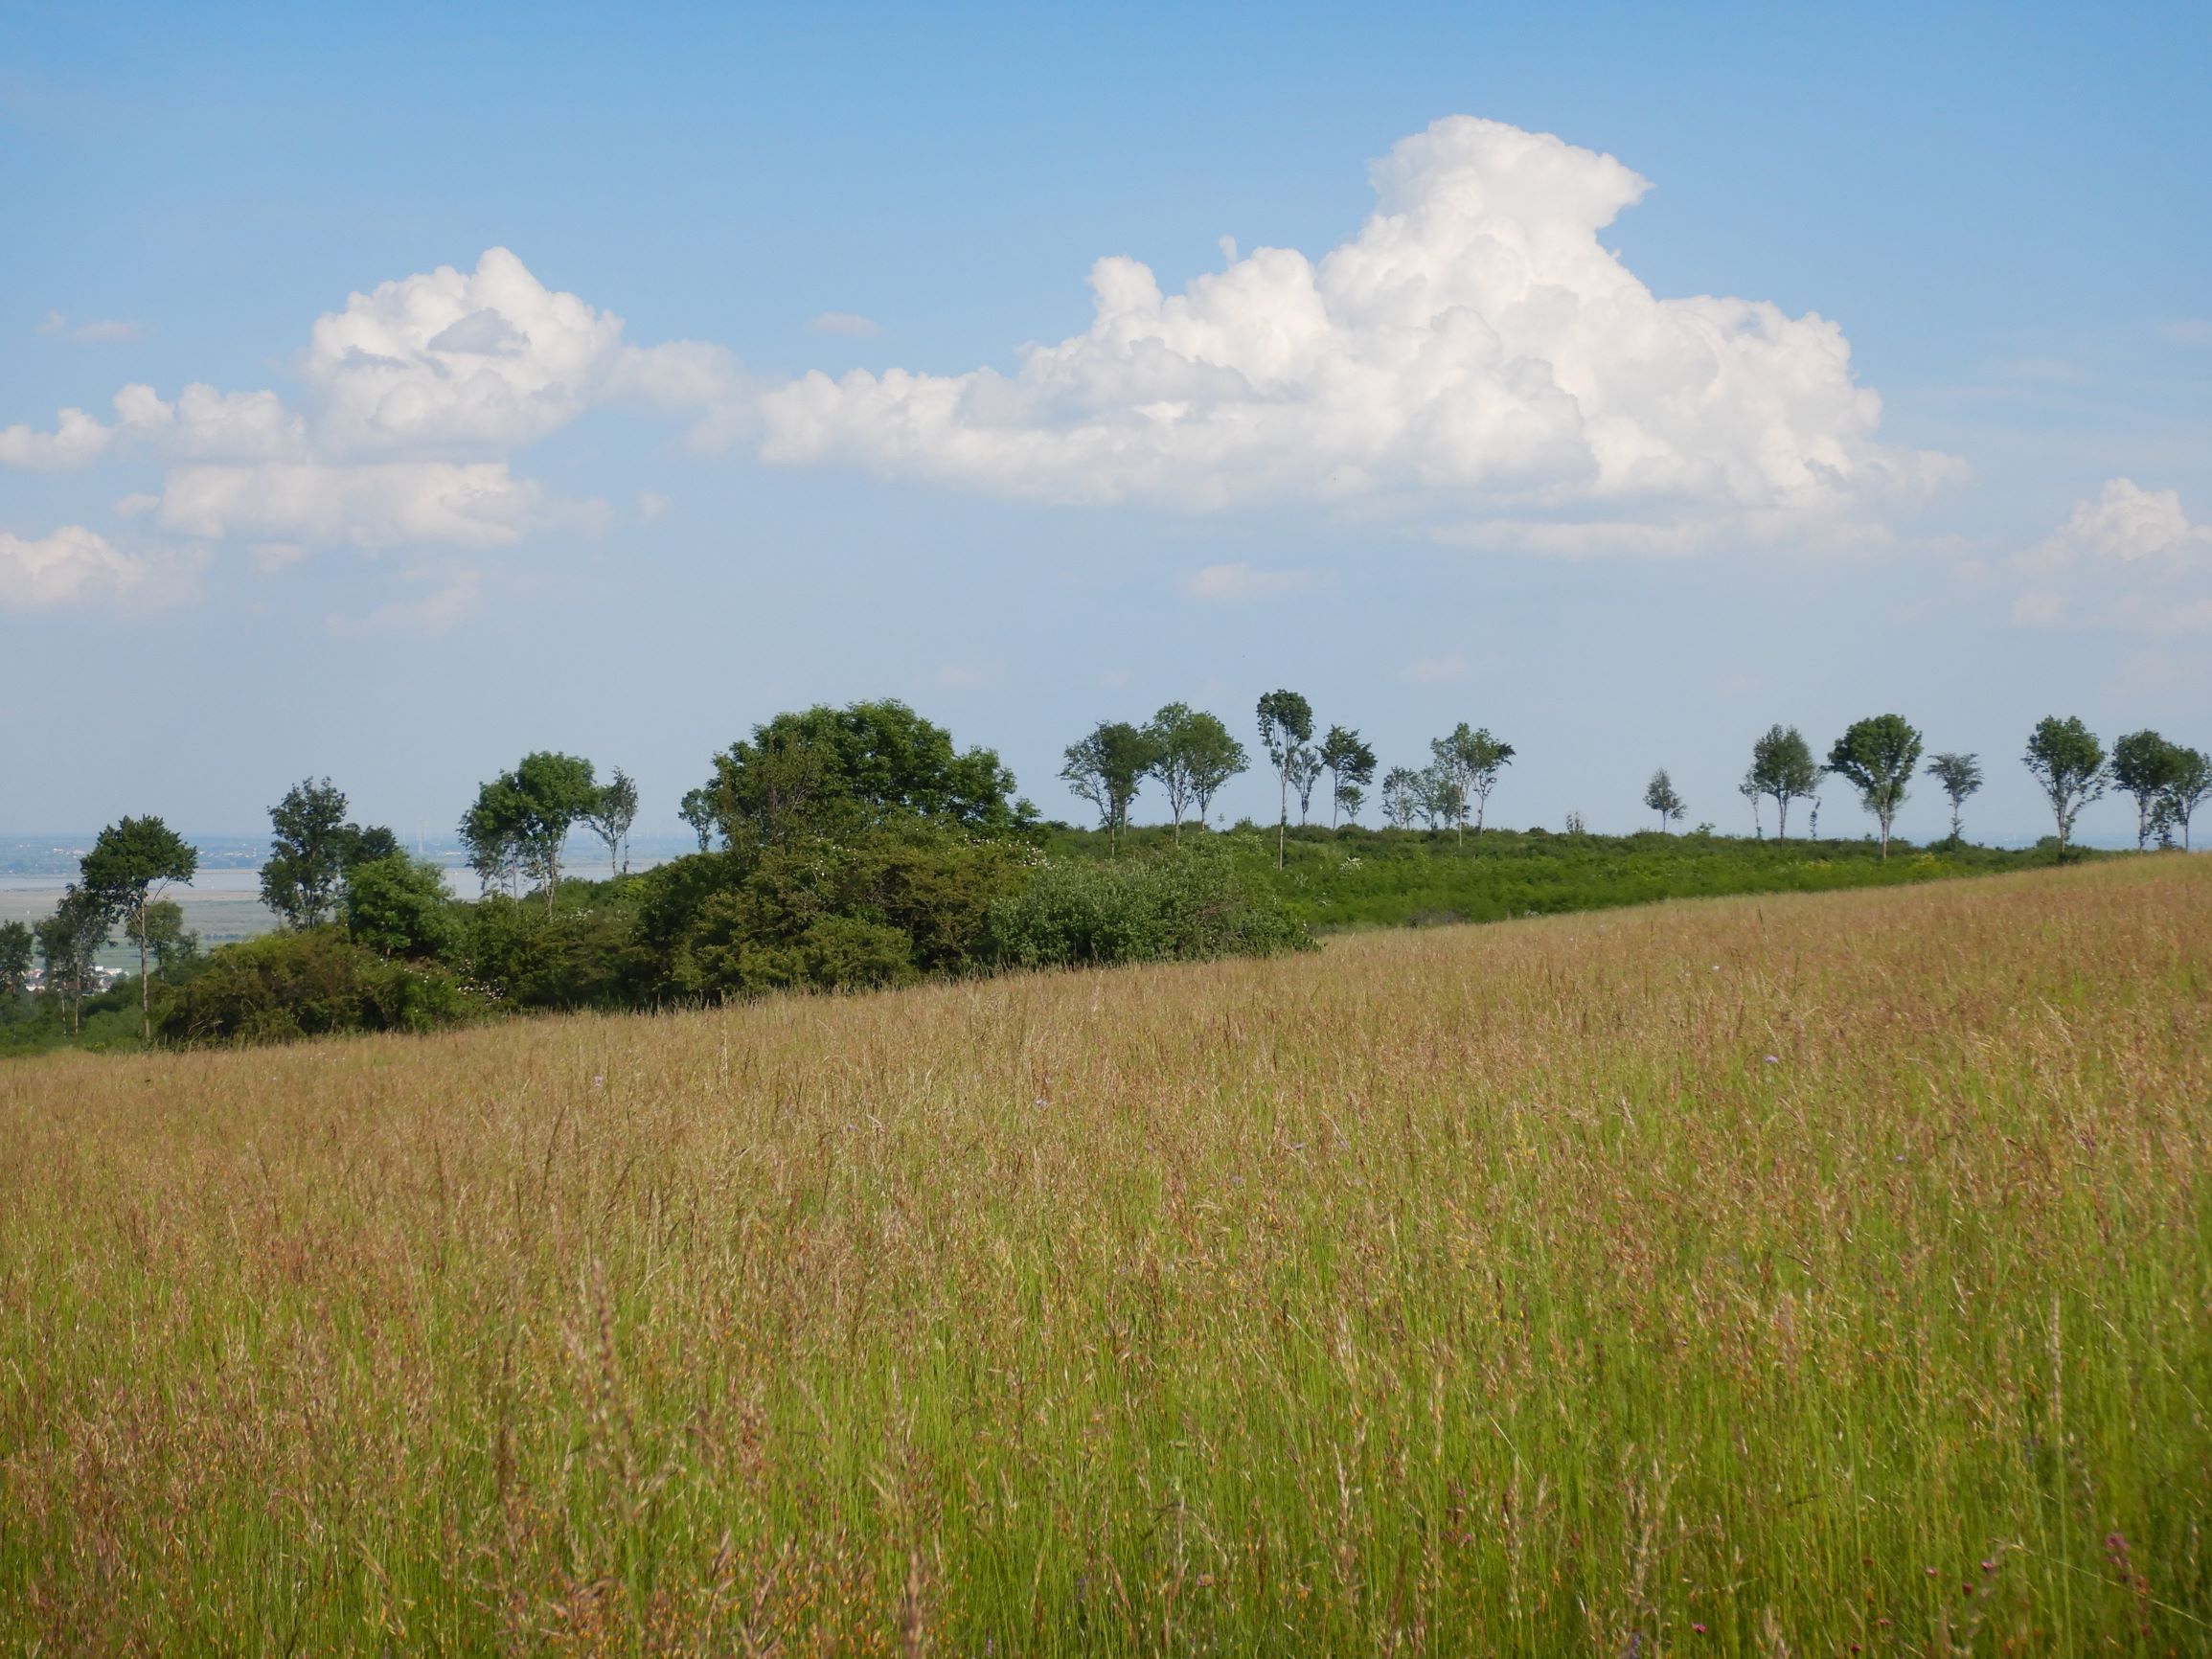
pixel 1818 1273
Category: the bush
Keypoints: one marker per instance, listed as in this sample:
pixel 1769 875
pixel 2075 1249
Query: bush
pixel 398 906
pixel 1173 906
pixel 297 984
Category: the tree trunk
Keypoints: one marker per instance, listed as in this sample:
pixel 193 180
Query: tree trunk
pixel 145 993
pixel 1282 817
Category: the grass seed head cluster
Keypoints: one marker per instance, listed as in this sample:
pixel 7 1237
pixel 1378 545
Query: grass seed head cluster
pixel 1828 1271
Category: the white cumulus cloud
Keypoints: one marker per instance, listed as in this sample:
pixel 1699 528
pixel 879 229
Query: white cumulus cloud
pixel 1475 349
pixel 73 565
pixel 2130 559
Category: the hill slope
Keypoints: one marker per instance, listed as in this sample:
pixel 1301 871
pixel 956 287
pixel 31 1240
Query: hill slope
pixel 1834 1267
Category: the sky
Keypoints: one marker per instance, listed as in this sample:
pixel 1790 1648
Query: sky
pixel 386 394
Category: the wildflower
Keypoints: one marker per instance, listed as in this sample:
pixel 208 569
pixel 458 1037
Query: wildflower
pixel 1700 1629
pixel 1774 1060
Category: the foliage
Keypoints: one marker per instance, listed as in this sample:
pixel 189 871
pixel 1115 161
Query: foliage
pixel 1193 756
pixel 68 943
pixel 1467 764
pixel 522 818
pixel 16 947
pixel 2145 766
pixel 312 984
pixel 130 862
pixel 610 815
pixel 1781 767
pixel 1351 764
pixel 1402 793
pixel 311 850
pixel 1286 721
pixel 1876 756
pixel 1662 797
pixel 2069 765
pixel 1173 906
pixel 2188 786
pixel 1959 776
pixel 842 771
pixel 1105 769
pixel 398 906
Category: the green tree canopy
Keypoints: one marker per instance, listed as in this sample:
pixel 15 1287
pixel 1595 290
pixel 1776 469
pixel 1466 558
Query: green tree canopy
pixel 1285 726
pixel 2067 763
pixel 311 848
pixel 2187 788
pixel 399 907
pixel 1105 769
pixel 1402 796
pixel 834 772
pixel 611 817
pixel 2145 765
pixel 1781 766
pixel 129 865
pixel 1660 796
pixel 1193 756
pixel 1959 776
pixel 1469 760
pixel 522 818
pixel 16 950
pixel 1351 766
pixel 1877 757
pixel 69 940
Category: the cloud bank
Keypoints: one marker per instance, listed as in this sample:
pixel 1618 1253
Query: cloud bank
pixel 2131 559
pixel 1474 351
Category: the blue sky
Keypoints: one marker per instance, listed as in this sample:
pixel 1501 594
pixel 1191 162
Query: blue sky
pixel 1503 458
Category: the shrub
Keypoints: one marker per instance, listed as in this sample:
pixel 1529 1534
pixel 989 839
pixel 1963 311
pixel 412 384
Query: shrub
pixel 398 906
pixel 1175 906
pixel 295 985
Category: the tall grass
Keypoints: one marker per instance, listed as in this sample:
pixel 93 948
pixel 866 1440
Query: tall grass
pixel 1805 1273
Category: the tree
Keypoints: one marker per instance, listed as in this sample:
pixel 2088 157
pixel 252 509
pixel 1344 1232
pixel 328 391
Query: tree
pixel 833 773
pixel 1193 756
pixel 610 816
pixel 1443 797
pixel 697 809
pixel 174 944
pixel 1106 769
pixel 1660 797
pixel 1305 773
pixel 1471 760
pixel 1349 797
pixel 1959 776
pixel 131 863
pixel 1351 764
pixel 313 848
pixel 16 950
pixel 2144 765
pixel 1285 726
pixel 1877 756
pixel 1781 766
pixel 2067 763
pixel 68 943
pixel 1403 790
pixel 2186 791
pixel 398 906
pixel 521 818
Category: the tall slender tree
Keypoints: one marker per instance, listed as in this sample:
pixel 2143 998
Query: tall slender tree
pixel 129 865
pixel 1959 776
pixel 1661 797
pixel 16 950
pixel 1403 789
pixel 1350 761
pixel 1876 756
pixel 2069 765
pixel 69 943
pixel 2189 787
pixel 611 813
pixel 1286 727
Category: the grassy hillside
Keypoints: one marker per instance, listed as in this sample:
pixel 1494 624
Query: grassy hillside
pixel 1832 1271
pixel 1353 877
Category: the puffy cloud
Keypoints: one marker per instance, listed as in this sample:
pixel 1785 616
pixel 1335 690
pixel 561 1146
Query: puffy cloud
pixel 79 566
pixel 475 504
pixel 2129 559
pixel 201 422
pixel 1475 349
pixel 1232 582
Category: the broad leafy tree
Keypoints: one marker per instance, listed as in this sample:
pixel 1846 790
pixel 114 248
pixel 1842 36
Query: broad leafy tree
pixel 1959 776
pixel 69 943
pixel 1105 769
pixel 1661 797
pixel 1877 756
pixel 836 772
pixel 1193 756
pixel 1403 791
pixel 311 849
pixel 1443 796
pixel 1286 727
pixel 129 867
pixel 1471 762
pixel 522 818
pixel 1782 768
pixel 2144 765
pixel 1351 766
pixel 174 944
pixel 2069 765
pixel 2186 791
pixel 16 950
pixel 610 816
pixel 398 906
